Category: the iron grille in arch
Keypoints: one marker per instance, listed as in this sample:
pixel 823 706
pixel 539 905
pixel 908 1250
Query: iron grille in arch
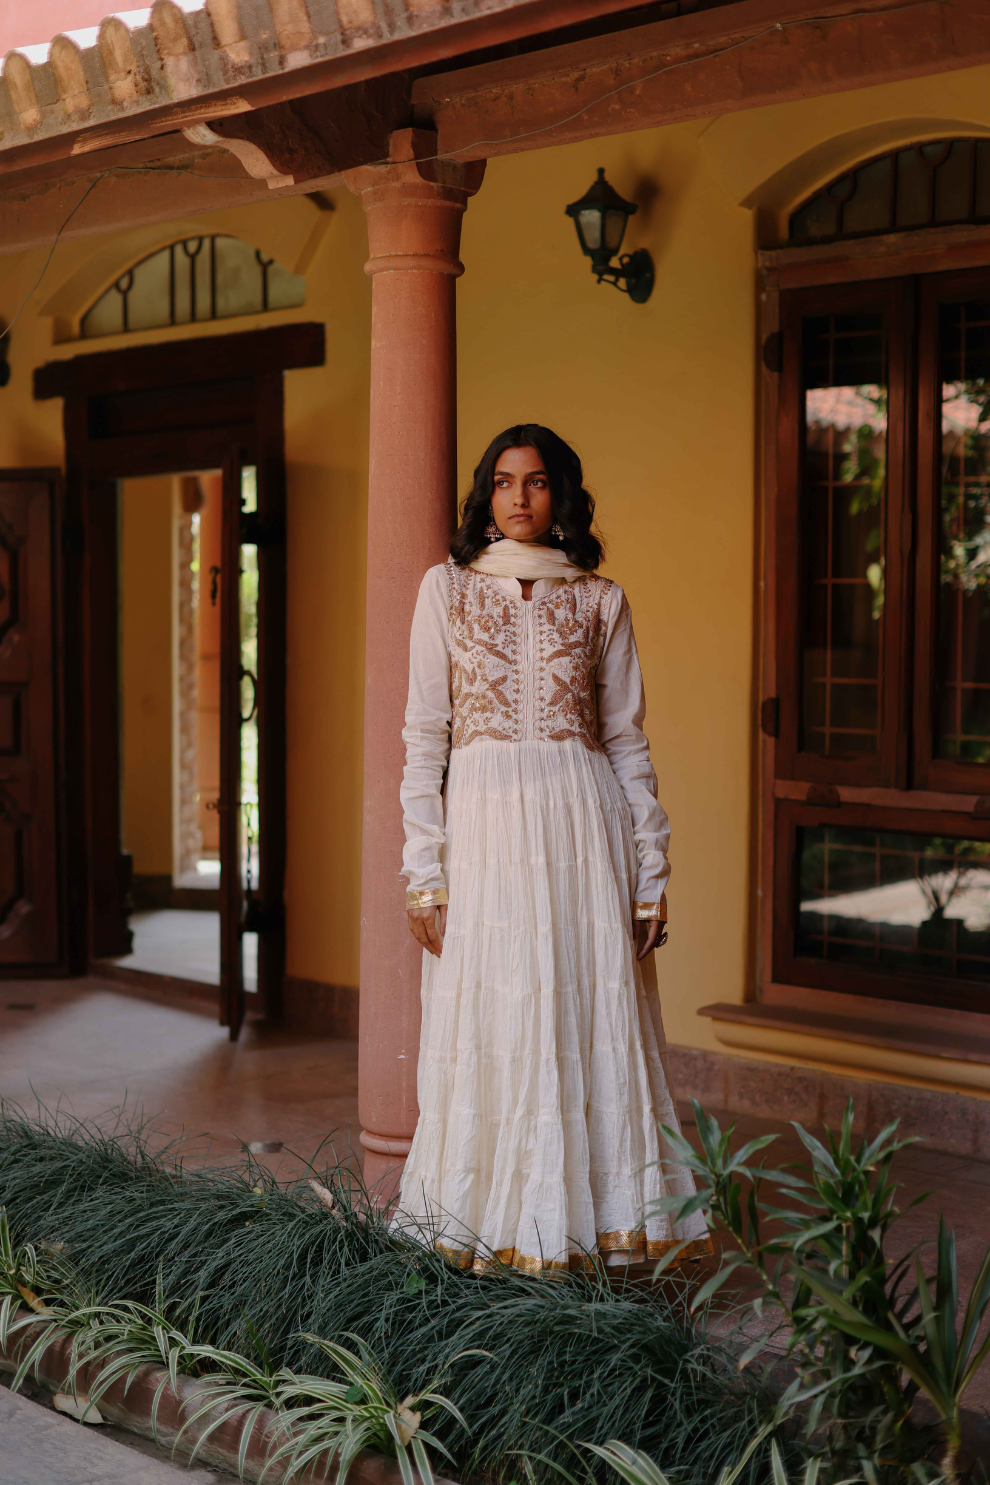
pixel 941 182
pixel 198 278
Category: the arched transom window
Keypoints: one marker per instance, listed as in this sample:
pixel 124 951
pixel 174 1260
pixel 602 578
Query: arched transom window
pixel 941 182
pixel 199 278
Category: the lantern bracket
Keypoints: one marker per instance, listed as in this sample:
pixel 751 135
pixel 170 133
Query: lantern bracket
pixel 634 275
pixel 600 218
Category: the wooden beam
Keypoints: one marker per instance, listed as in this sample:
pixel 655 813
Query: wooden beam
pixel 280 348
pixel 309 138
pixel 742 55
pixel 893 254
pixel 309 142
pixel 136 196
pixel 124 157
pixel 435 38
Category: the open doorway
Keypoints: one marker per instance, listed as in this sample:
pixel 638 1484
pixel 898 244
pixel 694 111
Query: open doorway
pixel 171 535
pixel 178 412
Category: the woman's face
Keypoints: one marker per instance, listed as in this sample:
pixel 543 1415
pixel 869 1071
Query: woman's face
pixel 521 498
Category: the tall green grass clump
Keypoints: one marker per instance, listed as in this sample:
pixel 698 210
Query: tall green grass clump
pixel 537 1367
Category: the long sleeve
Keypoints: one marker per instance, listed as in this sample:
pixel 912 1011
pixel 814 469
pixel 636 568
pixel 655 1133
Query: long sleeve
pixel 621 709
pixel 426 736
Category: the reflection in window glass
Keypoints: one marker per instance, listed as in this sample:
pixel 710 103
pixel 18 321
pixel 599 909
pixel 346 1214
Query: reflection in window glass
pixel 200 278
pixel 963 654
pixel 843 510
pixel 883 900
pixel 249 672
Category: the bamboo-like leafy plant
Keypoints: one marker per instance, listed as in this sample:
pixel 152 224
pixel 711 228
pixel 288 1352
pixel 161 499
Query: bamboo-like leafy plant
pixel 938 1360
pixel 864 1341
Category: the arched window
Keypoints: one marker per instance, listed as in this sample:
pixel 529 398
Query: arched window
pixel 199 278
pixel 941 182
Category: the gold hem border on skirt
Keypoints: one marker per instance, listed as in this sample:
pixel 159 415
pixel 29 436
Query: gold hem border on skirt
pixel 639 1249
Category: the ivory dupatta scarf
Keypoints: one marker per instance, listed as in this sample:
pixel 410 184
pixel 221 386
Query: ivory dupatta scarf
pixel 525 560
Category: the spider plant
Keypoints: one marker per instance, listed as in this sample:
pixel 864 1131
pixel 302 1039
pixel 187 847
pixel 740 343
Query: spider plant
pixel 23 1282
pixel 112 1342
pixel 637 1468
pixel 324 1419
pixel 251 1259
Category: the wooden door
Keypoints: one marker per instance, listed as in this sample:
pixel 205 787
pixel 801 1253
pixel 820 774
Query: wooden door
pixel 29 764
pixel 169 408
pixel 231 825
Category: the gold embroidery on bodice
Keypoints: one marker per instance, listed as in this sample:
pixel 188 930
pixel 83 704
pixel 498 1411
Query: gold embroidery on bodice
pixel 524 670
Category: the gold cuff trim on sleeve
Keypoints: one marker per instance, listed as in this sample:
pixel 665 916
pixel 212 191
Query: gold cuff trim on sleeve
pixel 432 897
pixel 645 912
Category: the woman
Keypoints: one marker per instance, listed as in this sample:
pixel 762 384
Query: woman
pixel 541 1067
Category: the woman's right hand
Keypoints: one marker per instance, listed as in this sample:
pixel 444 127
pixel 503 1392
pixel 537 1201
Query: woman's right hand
pixel 423 927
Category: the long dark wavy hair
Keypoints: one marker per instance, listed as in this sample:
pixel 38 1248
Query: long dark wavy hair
pixel 573 505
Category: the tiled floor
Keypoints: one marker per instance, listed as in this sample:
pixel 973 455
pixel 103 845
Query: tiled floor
pixel 89 1045
pixel 186 945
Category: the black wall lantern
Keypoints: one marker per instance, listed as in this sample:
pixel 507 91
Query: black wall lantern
pixel 600 218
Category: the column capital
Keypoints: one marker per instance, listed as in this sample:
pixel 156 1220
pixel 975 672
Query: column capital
pixel 413 161
pixel 414 204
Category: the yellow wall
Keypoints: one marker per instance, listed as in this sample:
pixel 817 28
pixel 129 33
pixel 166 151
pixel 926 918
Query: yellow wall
pixel 326 446
pixel 660 401
pixel 147 563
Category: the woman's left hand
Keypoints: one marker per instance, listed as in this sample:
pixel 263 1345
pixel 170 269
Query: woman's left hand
pixel 654 938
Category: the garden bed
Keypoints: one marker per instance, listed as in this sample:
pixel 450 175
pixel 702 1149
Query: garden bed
pixel 269 1273
pixel 171 1423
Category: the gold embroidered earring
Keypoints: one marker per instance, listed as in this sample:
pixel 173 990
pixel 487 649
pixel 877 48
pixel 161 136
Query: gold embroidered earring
pixel 557 530
pixel 491 530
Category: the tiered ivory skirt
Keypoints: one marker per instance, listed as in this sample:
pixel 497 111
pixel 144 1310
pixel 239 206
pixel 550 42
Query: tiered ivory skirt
pixel 542 1066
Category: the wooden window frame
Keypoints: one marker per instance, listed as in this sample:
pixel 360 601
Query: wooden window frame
pixel 791 969
pixel 888 766
pixel 959 802
pixel 929 771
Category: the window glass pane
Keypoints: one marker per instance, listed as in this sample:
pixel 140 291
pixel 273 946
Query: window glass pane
pixel 914 187
pixel 147 301
pixel 819 217
pixel 953 182
pixel 868 209
pixel 941 180
pixel 249 670
pixel 239 278
pixel 963 632
pixel 843 505
pixel 981 193
pixel 199 278
pixel 893 902
pixel 106 316
pixel 285 290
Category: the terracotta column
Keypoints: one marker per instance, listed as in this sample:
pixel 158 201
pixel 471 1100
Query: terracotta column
pixel 414 206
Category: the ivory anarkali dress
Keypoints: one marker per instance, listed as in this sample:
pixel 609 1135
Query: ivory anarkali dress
pixel 542 1069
